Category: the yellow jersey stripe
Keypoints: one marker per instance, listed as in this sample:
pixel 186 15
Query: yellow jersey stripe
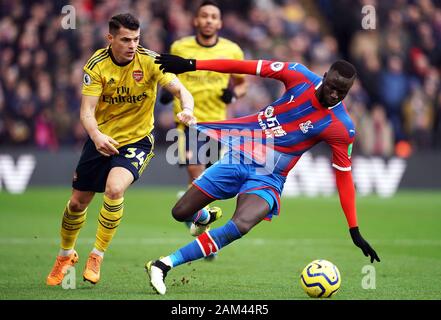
pixel 99 60
pixel 96 56
pixel 147 52
pixel 89 65
pixel 91 60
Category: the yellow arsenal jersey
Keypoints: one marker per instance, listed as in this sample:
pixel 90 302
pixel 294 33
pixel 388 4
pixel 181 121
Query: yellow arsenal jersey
pixel 127 93
pixel 206 86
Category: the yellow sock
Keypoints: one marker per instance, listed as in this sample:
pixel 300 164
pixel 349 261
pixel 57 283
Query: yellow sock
pixel 70 227
pixel 110 216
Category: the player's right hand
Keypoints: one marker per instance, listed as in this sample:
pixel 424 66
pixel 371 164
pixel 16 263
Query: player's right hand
pixel 363 244
pixel 186 116
pixel 105 144
pixel 175 64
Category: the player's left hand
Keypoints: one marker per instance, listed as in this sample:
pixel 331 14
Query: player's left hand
pixel 175 64
pixel 363 244
pixel 186 116
pixel 228 96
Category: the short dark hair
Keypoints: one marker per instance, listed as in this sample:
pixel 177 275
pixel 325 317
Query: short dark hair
pixel 344 68
pixel 125 20
pixel 209 3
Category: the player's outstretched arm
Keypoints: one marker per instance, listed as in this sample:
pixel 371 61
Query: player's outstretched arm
pixel 176 64
pixel 176 88
pixel 346 190
pixel 103 143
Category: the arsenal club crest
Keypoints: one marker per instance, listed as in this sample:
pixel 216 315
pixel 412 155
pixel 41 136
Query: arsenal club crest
pixel 137 75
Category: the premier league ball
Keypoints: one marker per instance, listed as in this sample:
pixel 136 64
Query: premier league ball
pixel 320 279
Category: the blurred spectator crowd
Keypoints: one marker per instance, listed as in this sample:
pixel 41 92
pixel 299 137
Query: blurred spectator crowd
pixel 396 101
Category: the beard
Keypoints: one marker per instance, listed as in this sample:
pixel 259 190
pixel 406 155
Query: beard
pixel 207 35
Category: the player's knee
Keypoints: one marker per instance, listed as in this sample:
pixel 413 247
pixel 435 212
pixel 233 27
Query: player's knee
pixel 178 213
pixel 114 191
pixel 242 225
pixel 78 205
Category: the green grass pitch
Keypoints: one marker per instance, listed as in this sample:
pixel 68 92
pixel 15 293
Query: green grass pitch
pixel 404 230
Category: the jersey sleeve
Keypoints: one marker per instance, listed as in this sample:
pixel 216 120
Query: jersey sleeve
pixel 282 71
pixel 341 161
pixel 341 136
pixel 163 78
pixel 341 154
pixel 92 84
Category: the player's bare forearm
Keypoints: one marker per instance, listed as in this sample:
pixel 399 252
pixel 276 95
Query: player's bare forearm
pixel 87 115
pixel 103 143
pixel 180 92
pixel 187 102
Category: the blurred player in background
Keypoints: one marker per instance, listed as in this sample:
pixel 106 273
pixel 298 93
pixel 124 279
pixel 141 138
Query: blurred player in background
pixel 310 111
pixel 212 91
pixel 118 97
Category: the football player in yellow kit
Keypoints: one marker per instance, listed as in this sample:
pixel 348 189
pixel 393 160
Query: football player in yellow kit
pixel 118 98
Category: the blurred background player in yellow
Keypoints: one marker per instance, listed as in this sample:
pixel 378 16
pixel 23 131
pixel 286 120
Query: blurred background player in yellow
pixel 212 91
pixel 118 97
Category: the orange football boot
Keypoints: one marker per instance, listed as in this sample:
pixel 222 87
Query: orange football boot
pixel 92 271
pixel 62 263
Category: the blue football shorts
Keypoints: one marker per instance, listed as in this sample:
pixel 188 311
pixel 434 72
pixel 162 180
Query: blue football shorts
pixel 226 180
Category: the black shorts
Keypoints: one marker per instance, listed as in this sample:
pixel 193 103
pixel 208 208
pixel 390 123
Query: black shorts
pixel 196 148
pixel 93 168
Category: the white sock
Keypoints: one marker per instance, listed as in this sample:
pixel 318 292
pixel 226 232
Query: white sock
pixel 65 253
pixel 97 252
pixel 167 261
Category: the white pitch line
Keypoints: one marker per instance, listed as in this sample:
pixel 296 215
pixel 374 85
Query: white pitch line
pixel 252 241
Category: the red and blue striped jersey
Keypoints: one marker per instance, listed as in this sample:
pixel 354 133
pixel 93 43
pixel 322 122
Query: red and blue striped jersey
pixel 292 124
